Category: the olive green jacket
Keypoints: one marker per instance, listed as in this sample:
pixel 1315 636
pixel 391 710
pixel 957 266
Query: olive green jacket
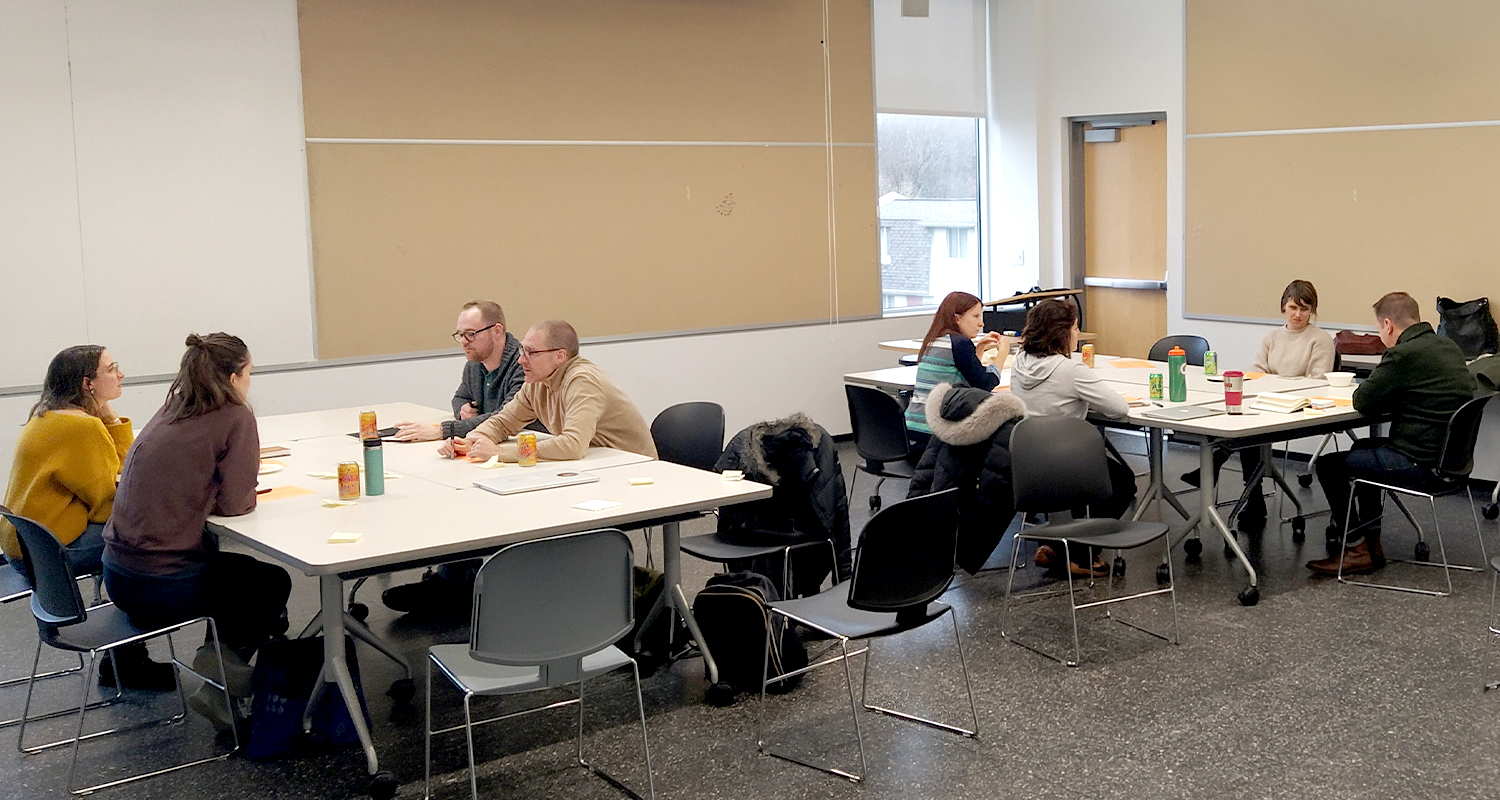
pixel 1420 381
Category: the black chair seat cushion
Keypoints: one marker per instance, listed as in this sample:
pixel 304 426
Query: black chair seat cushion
pixel 738 544
pixel 1109 534
pixel 890 469
pixel 105 624
pixel 830 611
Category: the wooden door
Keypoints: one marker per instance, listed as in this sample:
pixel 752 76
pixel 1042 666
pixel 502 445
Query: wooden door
pixel 1125 238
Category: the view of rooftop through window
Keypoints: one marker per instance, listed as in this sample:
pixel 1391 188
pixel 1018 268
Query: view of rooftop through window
pixel 929 208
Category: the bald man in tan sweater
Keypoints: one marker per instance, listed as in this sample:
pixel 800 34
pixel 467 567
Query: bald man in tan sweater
pixel 571 395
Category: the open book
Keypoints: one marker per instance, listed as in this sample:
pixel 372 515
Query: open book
pixel 1287 403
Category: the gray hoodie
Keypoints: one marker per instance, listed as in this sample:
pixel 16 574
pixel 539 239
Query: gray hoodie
pixel 1056 385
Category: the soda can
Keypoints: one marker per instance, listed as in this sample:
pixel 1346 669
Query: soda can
pixel 348 480
pixel 367 427
pixel 1156 386
pixel 1210 363
pixel 526 449
pixel 1088 356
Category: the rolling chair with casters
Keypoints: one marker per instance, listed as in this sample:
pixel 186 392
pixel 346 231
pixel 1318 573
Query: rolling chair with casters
pixel 1194 346
pixel 879 438
pixel 690 434
pixel 905 562
pixel 547 614
pixel 65 623
pixel 1449 477
pixel 1058 464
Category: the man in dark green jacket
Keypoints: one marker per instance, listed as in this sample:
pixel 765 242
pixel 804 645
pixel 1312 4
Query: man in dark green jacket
pixel 1419 382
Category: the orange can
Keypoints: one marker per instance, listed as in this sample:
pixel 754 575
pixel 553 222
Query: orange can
pixel 1088 356
pixel 349 480
pixel 526 449
pixel 367 427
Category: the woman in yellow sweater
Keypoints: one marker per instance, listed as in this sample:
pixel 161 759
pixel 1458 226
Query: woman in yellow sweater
pixel 67 462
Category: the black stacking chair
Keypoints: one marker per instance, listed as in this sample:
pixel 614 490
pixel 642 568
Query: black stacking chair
pixel 690 434
pixel 879 437
pixel 65 623
pixel 905 562
pixel 1195 346
pixel 1058 464
pixel 1449 477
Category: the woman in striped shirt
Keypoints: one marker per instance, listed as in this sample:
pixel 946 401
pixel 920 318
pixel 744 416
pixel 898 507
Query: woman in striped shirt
pixel 950 354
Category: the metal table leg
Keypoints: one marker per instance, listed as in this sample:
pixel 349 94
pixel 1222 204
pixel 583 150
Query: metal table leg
pixel 1250 595
pixel 671 564
pixel 331 587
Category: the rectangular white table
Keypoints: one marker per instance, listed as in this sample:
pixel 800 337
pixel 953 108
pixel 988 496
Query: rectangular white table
pixel 420 521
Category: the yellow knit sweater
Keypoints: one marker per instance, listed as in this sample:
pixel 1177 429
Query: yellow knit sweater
pixel 64 474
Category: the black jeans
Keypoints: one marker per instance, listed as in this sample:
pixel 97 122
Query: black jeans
pixel 1372 459
pixel 246 598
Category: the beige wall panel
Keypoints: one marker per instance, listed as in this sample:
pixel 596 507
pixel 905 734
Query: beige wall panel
pixel 1359 214
pixel 618 240
pixel 746 70
pixel 1291 64
pixel 1127 321
pixel 1125 205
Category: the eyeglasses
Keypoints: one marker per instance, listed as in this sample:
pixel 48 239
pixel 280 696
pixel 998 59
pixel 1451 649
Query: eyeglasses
pixel 468 336
pixel 114 369
pixel 527 352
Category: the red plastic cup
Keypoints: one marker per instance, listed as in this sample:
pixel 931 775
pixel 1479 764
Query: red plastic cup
pixel 1234 391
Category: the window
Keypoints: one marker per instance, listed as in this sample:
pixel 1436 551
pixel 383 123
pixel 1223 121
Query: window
pixel 929 208
pixel 958 242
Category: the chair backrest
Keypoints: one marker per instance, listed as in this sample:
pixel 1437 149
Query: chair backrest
pixel 13 584
pixel 55 599
pixel 906 554
pixel 1057 464
pixel 691 434
pixel 879 424
pixel 1195 346
pixel 550 602
pixel 1457 456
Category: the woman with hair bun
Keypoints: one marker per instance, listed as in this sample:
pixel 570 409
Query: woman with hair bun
pixel 199 455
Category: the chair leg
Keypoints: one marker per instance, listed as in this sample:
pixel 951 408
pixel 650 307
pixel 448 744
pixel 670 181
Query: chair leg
pixel 640 704
pixel 865 686
pixel 427 739
pixel 83 705
pixel 469 742
pixel 1490 634
pixel 853 711
pixel 1072 606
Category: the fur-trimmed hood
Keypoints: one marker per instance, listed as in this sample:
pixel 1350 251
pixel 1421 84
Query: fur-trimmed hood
pixel 964 415
pixel 756 464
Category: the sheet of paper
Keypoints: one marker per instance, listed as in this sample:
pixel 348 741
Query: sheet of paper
pixel 1130 363
pixel 595 505
pixel 281 492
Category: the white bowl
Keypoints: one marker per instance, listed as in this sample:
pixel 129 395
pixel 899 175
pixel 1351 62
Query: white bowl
pixel 1339 378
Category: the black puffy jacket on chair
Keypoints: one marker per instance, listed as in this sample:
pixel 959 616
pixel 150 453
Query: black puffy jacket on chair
pixel 797 457
pixel 970 450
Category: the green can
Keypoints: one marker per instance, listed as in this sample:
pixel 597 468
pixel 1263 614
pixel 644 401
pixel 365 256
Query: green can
pixel 1156 386
pixel 1210 363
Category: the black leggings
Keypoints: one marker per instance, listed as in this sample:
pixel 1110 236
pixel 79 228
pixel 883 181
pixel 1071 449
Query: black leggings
pixel 246 598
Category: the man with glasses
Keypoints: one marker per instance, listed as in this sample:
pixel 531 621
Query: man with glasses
pixel 491 377
pixel 571 395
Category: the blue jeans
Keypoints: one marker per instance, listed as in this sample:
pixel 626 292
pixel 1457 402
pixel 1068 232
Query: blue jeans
pixel 1372 459
pixel 85 553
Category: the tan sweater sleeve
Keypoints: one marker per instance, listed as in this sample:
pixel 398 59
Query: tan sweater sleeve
pixel 510 419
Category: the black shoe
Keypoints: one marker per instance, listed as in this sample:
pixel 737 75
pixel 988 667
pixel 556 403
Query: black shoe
pixel 1254 510
pixel 432 595
pixel 1191 478
pixel 137 671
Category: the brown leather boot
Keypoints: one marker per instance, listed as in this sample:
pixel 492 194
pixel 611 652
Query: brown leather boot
pixel 1363 558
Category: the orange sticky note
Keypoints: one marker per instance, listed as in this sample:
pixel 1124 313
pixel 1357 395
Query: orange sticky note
pixel 1250 376
pixel 1341 402
pixel 281 492
pixel 1130 363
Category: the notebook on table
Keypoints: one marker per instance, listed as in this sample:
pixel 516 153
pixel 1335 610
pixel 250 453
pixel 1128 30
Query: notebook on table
pixel 1180 413
pixel 532 479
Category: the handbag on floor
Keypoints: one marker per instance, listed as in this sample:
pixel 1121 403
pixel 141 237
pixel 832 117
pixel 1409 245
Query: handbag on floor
pixel 285 672
pixel 1469 324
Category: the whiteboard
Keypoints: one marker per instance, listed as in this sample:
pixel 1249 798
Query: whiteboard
pixel 153 181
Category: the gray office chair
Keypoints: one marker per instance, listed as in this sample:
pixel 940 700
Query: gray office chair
pixel 1057 464
pixel 546 614
pixel 1449 477
pixel 65 623
pixel 905 562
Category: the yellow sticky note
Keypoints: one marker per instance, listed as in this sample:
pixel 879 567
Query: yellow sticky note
pixel 344 538
pixel 732 475
pixel 494 462
pixel 284 491
pixel 642 481
pixel 337 503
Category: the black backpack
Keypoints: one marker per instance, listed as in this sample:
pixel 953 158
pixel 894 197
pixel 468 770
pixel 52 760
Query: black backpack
pixel 733 615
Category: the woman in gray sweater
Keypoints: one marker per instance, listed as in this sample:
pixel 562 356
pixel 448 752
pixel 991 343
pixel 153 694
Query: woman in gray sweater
pixel 1046 378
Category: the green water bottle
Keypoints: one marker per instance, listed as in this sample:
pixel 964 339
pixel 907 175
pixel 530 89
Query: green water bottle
pixel 1177 375
pixel 374 468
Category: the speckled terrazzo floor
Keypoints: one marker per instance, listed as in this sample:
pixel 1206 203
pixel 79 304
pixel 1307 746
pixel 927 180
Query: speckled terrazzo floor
pixel 1320 691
